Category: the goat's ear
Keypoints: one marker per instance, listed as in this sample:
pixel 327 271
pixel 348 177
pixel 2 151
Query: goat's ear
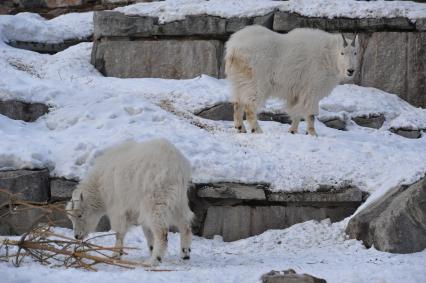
pixel 345 43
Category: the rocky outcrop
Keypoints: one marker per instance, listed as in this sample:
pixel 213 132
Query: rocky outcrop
pixel 289 276
pixel 395 62
pixel 237 211
pixel 18 110
pixel 396 223
pixel 194 45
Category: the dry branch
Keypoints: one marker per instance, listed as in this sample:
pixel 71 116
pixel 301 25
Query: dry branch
pixel 50 248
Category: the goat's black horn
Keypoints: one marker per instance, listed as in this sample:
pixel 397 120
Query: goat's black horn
pixel 345 43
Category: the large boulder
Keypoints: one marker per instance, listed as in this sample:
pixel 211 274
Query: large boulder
pixel 27 185
pixel 395 62
pixel 395 223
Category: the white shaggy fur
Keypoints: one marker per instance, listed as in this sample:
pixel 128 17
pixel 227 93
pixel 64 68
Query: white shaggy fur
pixel 137 184
pixel 302 67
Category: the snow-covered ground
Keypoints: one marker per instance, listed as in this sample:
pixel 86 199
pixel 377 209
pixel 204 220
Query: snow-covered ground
pixel 90 112
pixel 320 249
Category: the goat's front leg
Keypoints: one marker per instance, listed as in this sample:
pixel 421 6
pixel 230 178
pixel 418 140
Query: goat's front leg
pixel 118 249
pixel 311 128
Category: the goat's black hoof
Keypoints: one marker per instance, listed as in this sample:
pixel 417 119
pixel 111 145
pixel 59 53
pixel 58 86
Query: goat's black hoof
pixel 186 257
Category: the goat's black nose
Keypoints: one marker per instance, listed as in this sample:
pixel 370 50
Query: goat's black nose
pixel 351 72
pixel 76 237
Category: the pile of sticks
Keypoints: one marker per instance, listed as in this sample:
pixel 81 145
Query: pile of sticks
pixel 49 248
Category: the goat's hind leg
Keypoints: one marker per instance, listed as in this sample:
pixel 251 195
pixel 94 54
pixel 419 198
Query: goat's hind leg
pixel 185 240
pixel 238 117
pixel 159 229
pixel 294 125
pixel 149 238
pixel 251 113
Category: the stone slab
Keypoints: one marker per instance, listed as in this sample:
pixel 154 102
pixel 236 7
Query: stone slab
pixel 116 24
pixel 28 185
pixel 232 191
pixel 175 59
pixel 286 21
pixel 326 196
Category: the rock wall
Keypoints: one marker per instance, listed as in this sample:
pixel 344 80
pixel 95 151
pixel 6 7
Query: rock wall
pixel 232 210
pixel 392 57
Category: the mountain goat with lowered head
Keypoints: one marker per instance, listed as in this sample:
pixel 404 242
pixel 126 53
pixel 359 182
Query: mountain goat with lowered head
pixel 301 67
pixel 136 184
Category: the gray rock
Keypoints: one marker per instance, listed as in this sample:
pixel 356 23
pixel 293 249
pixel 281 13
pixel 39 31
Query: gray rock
pixel 395 223
pixel 335 124
pixel 374 122
pixel 232 191
pixel 421 24
pixel 289 276
pixel 61 189
pixel 407 133
pixel 17 110
pixel 29 185
pixel 47 48
pixel 286 21
pixel 406 59
pixel 221 112
pixel 177 59
pixel 224 112
pixel 22 219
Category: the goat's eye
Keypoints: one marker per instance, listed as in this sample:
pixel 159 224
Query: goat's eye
pixel 79 216
pixel 354 53
pixel 342 53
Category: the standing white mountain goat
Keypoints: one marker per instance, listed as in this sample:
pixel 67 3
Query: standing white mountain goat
pixel 136 184
pixel 301 67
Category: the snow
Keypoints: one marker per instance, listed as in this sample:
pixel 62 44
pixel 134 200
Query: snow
pixel 317 248
pixel 173 10
pixel 30 27
pixel 90 112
